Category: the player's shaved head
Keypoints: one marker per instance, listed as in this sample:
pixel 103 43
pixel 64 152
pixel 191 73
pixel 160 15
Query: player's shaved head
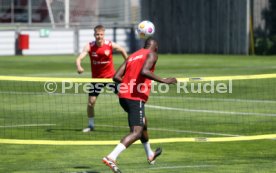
pixel 151 43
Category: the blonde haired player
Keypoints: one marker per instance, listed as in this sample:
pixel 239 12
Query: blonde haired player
pixel 100 52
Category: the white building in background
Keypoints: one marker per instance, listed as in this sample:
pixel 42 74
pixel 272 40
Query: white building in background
pixel 69 24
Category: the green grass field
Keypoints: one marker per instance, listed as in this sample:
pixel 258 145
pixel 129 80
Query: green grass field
pixel 249 110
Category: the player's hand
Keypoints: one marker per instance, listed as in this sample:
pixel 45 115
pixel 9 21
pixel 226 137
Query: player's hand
pixel 80 70
pixel 170 80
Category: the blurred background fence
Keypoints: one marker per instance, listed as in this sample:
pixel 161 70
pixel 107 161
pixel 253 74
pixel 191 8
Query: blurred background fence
pixel 183 26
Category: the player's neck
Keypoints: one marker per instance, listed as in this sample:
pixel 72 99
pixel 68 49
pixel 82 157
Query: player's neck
pixel 99 43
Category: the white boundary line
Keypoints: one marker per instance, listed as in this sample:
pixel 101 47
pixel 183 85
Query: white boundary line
pixel 217 99
pixel 153 96
pixel 179 167
pixel 27 125
pixel 209 111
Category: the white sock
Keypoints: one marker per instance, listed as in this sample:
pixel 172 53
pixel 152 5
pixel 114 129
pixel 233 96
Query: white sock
pixel 148 150
pixel 91 122
pixel 117 150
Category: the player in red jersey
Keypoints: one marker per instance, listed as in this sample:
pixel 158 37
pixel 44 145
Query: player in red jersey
pixel 100 52
pixel 135 76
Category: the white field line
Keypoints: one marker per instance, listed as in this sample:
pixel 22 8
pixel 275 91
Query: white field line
pixel 209 111
pixel 179 167
pixel 45 93
pixel 26 125
pixel 172 97
pixel 33 93
pixel 217 99
pixel 175 131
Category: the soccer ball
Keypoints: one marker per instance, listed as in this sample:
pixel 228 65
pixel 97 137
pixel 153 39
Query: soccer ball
pixel 145 29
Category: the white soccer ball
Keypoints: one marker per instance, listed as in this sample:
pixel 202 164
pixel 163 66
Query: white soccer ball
pixel 145 29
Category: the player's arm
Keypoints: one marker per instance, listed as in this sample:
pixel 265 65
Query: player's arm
pixel 118 77
pixel 149 63
pixel 119 49
pixel 81 56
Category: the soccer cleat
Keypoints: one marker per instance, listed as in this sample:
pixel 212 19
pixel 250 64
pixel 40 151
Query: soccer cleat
pixel 88 129
pixel 157 153
pixel 111 164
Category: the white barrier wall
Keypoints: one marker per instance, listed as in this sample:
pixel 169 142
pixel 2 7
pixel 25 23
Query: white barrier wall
pixel 122 38
pixel 7 42
pixel 58 42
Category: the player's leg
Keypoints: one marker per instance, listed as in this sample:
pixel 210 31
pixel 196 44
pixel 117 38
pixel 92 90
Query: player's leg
pixel 145 141
pixel 151 156
pixel 145 136
pixel 90 113
pixel 135 110
pixel 94 91
pixel 134 135
pixel 136 120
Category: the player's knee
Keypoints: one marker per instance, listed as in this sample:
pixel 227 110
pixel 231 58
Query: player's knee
pixel 145 128
pixel 137 134
pixel 91 103
pixel 143 139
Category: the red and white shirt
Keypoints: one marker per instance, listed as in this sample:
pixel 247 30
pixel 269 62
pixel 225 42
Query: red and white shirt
pixel 134 86
pixel 101 60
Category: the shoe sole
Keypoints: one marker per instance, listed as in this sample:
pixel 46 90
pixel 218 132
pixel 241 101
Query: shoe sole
pixel 87 130
pixel 106 162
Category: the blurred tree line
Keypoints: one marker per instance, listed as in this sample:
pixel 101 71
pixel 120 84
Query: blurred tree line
pixel 265 40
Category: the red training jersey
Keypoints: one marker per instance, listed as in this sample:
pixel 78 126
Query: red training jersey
pixel 134 86
pixel 101 60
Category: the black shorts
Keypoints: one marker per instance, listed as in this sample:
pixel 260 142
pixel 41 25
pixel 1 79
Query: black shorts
pixel 96 88
pixel 135 110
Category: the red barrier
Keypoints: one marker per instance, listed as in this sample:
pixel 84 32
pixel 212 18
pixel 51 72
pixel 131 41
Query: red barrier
pixel 23 41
